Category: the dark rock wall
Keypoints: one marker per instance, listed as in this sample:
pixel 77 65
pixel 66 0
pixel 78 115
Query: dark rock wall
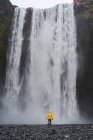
pixel 26 41
pixel 25 58
pixel 84 24
pixel 6 15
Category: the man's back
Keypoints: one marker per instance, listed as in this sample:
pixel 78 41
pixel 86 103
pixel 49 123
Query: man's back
pixel 49 115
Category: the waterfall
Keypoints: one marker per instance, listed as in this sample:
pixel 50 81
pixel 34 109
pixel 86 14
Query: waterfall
pixel 50 69
pixel 12 87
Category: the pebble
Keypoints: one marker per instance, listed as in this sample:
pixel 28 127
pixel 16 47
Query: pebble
pixel 44 132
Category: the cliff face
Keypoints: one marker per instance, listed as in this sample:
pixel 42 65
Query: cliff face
pixel 6 15
pixel 84 23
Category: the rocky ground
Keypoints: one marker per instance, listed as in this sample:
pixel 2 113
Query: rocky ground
pixel 45 132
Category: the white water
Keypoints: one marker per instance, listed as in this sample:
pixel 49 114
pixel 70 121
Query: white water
pixel 12 74
pixel 51 83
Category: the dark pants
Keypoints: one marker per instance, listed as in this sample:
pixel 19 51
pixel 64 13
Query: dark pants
pixel 49 121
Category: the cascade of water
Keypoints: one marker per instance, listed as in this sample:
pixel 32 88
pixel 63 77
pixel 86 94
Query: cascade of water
pixel 52 77
pixel 54 61
pixel 12 86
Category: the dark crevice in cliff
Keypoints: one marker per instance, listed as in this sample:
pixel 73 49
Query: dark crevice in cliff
pixel 25 56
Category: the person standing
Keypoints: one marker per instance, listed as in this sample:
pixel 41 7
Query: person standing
pixel 49 117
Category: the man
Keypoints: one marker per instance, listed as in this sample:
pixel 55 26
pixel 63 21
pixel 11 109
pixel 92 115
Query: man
pixel 49 117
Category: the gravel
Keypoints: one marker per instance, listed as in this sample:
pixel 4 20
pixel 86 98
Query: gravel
pixel 45 132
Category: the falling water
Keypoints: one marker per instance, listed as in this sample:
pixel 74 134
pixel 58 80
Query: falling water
pixel 50 83
pixel 12 74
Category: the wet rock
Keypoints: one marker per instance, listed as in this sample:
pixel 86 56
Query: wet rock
pixel 6 15
pixel 84 25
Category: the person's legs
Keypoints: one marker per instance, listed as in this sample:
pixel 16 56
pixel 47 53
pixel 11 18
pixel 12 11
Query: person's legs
pixel 49 121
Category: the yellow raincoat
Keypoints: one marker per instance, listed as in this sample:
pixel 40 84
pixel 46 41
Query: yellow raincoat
pixel 49 116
